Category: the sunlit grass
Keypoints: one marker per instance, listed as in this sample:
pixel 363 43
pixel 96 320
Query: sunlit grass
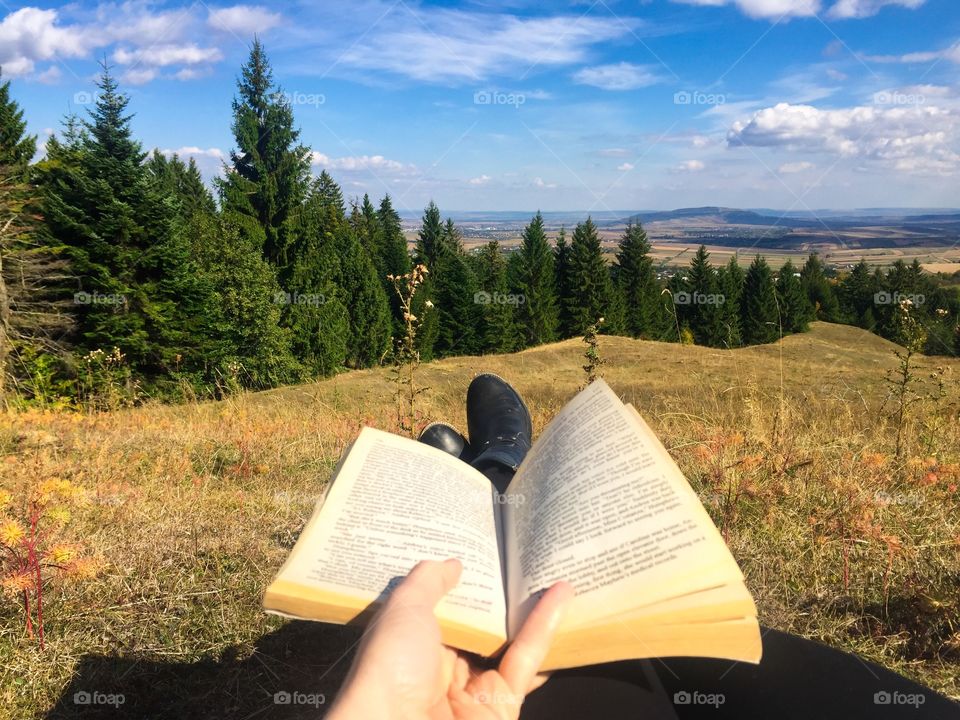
pixel 195 507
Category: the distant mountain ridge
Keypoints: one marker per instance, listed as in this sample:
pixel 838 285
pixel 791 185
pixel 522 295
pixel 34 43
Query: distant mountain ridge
pixel 715 214
pixel 810 219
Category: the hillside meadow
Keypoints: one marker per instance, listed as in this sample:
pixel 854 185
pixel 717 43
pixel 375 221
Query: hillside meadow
pixel 189 510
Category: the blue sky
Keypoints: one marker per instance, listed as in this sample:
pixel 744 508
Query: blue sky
pixel 516 105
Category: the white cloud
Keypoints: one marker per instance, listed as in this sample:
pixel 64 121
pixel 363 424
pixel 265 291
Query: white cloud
pixel 624 167
pixel 835 74
pixel 911 138
pixel 50 76
pixel 776 9
pixel 690 166
pixel 452 45
pixel 768 9
pixel 538 182
pixel 138 75
pixel 151 39
pixel 844 9
pixel 189 73
pixel 482 180
pixel 195 152
pixel 619 76
pixel 795 167
pixel 243 20
pixel 361 163
pixel 168 54
pixel 951 53
pixel 30 35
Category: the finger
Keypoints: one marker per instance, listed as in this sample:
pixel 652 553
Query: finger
pixel 427 583
pixel 537 681
pixel 526 653
pixel 461 673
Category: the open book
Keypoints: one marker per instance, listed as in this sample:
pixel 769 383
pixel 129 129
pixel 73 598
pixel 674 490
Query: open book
pixel 597 502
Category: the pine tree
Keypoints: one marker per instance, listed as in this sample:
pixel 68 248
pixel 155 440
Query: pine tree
pixel 429 316
pixel 16 147
pixel 182 182
pixel 857 296
pixel 614 321
pixel 370 324
pixel 638 282
pixel 589 278
pixel 676 328
pixel 458 312
pixel 760 317
pixel 703 310
pixel 315 306
pixel 270 170
pixel 330 198
pixel 820 292
pixel 500 331
pixel 394 258
pixel 140 287
pixel 452 237
pixel 244 316
pixel 564 294
pixel 366 227
pixel 730 280
pixel 35 315
pixel 795 309
pixel 430 237
pixel 533 279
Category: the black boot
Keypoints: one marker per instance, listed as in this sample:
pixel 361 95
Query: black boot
pixel 447 438
pixel 499 426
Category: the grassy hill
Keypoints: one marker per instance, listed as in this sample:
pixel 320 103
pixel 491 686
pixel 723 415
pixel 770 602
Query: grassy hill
pixel 192 509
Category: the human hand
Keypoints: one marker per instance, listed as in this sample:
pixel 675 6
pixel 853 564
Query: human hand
pixel 403 671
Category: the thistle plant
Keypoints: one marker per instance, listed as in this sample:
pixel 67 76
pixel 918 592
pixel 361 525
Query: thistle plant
pixel 406 356
pixel 902 380
pixel 32 551
pixel 592 353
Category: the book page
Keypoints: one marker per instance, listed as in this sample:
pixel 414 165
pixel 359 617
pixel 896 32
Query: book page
pixel 393 503
pixel 607 509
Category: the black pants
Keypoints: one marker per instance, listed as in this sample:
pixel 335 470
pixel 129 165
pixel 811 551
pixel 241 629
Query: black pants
pixel 797 678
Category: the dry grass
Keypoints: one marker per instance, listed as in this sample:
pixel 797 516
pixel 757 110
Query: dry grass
pixel 195 507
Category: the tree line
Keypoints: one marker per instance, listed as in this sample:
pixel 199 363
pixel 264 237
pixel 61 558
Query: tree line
pixel 122 265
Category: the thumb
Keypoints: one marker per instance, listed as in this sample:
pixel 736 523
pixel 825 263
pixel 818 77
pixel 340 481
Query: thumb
pixel 427 583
